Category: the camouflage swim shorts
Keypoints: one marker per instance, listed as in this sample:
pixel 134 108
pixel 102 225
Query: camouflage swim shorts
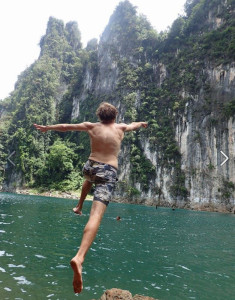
pixel 104 176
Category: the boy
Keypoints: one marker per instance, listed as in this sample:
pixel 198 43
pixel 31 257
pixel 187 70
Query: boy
pixel 101 169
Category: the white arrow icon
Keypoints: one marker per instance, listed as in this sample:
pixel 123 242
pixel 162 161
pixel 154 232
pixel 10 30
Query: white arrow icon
pixel 226 158
pixel 11 156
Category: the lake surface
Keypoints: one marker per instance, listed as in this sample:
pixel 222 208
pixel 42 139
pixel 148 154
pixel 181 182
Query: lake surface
pixel 160 253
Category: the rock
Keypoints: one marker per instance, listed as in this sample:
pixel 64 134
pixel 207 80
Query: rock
pixel 139 297
pixel 118 294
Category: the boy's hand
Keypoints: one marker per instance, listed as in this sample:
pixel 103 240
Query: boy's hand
pixel 144 124
pixel 40 127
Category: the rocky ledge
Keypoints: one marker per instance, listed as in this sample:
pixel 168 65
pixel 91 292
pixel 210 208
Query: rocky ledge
pixel 117 294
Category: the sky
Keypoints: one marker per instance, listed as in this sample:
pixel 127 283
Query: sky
pixel 24 22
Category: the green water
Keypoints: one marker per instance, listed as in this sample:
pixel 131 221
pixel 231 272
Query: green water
pixel 160 253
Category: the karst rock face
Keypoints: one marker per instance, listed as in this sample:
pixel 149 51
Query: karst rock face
pixel 182 82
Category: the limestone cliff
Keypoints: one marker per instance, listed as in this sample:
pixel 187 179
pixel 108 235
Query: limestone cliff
pixel 202 135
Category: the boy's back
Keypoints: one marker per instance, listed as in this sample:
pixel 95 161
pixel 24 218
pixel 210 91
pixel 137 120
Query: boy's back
pixel 105 142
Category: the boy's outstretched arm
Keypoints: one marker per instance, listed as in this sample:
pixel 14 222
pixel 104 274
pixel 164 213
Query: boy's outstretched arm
pixel 85 126
pixel 135 125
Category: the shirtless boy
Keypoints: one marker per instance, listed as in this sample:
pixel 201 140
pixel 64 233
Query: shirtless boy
pixel 101 169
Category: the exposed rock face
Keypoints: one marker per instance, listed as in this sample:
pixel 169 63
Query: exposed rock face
pixel 118 294
pixel 201 143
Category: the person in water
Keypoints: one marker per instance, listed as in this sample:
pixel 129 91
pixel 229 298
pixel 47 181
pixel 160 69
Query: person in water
pixel 100 169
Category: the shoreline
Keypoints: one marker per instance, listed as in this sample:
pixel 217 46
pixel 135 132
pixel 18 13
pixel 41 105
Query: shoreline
pixel 74 195
pixel 204 206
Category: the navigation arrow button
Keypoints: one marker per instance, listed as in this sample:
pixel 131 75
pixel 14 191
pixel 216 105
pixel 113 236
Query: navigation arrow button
pixel 11 156
pixel 226 158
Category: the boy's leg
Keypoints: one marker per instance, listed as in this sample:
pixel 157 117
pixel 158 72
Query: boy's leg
pixel 85 190
pixel 97 211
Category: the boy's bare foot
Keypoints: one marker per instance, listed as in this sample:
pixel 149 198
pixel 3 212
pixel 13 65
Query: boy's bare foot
pixel 77 275
pixel 77 210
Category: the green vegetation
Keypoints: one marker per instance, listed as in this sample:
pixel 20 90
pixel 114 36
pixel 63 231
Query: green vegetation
pixel 36 99
pixel 229 109
pixel 58 171
pixel 226 190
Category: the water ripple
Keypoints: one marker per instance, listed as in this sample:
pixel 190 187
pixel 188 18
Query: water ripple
pixel 14 266
pixel 2 270
pixel 185 268
pixel 39 256
pixel 22 280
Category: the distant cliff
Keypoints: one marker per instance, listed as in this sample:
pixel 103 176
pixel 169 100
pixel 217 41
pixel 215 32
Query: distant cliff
pixel 181 81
